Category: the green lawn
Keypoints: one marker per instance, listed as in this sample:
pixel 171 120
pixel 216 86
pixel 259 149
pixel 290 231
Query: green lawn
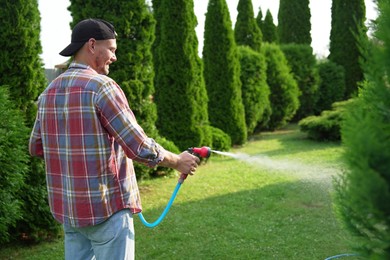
pixel 273 202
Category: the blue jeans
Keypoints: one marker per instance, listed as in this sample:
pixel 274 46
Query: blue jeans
pixel 112 239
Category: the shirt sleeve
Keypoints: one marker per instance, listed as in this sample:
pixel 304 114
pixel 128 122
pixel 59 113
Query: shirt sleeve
pixel 35 144
pixel 118 119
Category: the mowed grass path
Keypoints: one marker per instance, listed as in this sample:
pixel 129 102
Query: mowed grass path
pixel 273 202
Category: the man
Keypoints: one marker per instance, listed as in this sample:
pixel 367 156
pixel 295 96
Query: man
pixel 88 137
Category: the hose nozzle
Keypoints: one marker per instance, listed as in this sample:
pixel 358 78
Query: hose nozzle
pixel 202 152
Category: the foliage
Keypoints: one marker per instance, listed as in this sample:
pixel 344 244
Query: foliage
pixel 294 22
pixel 221 140
pixel 285 93
pixel 13 163
pixel 269 29
pixel 363 190
pixel 222 73
pixel 181 95
pixel 327 126
pixel 23 74
pixel 259 20
pixel 347 32
pixel 21 66
pixel 331 87
pixel 303 66
pixel 133 70
pixel 246 31
pixel 255 91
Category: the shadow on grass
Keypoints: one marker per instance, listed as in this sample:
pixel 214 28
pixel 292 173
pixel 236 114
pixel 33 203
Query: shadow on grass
pixel 291 220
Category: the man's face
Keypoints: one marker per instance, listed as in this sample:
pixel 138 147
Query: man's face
pixel 105 55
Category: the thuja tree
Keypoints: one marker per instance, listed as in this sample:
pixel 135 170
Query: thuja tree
pixel 222 73
pixel 181 95
pixel 303 66
pixel 348 28
pixel 269 29
pixel 259 19
pixel 363 191
pixel 133 70
pixel 285 93
pixel 331 86
pixel 255 90
pixel 294 21
pixel 23 73
pixel 246 31
pixel 13 163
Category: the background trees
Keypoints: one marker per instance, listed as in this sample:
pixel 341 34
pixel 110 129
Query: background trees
pixel 222 73
pixel 284 89
pixel 246 31
pixel 133 71
pixel 294 22
pixel 180 96
pixel 348 28
pixel 22 72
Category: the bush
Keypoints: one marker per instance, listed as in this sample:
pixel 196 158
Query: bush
pixel 221 140
pixel 13 163
pixel 255 90
pixel 285 93
pixel 303 66
pixel 332 85
pixel 327 126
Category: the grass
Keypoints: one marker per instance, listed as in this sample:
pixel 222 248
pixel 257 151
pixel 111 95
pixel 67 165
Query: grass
pixel 274 202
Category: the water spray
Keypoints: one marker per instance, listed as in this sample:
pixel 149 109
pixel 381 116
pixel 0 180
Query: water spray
pixel 202 152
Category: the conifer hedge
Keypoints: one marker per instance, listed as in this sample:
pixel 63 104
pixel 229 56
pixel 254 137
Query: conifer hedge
pixel 255 90
pixel 303 66
pixel 285 93
pixel 222 73
pixel 180 95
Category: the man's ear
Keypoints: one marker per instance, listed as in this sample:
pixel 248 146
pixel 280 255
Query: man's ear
pixel 91 45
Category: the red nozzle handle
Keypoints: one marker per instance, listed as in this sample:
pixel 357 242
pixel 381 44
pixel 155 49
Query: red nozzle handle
pixel 203 152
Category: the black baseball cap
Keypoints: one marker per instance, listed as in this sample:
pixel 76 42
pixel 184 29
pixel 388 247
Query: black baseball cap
pixel 87 29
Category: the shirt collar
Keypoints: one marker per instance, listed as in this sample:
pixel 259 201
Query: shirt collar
pixel 77 65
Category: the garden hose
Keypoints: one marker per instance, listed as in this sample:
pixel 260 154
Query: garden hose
pixel 203 152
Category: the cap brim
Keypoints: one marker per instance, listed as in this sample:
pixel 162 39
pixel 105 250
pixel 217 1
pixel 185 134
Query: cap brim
pixel 71 49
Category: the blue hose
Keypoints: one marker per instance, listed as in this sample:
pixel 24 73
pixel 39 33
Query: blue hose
pixel 152 225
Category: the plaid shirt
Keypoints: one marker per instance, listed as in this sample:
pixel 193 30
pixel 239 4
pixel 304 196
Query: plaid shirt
pixel 88 137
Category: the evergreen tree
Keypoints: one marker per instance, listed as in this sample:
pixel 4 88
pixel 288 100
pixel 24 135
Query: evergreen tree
pixel 133 70
pixel 181 95
pixel 222 73
pixel 259 19
pixel 285 93
pixel 303 67
pixel 246 31
pixel 348 17
pixel 269 29
pixel 363 191
pixel 23 73
pixel 13 163
pixel 21 67
pixel 255 91
pixel 294 21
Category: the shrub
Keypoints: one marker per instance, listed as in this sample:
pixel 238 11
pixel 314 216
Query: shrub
pixel 332 85
pixel 13 163
pixel 303 66
pixel 284 96
pixel 255 90
pixel 325 127
pixel 221 140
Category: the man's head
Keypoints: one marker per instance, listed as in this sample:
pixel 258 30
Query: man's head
pixel 94 43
